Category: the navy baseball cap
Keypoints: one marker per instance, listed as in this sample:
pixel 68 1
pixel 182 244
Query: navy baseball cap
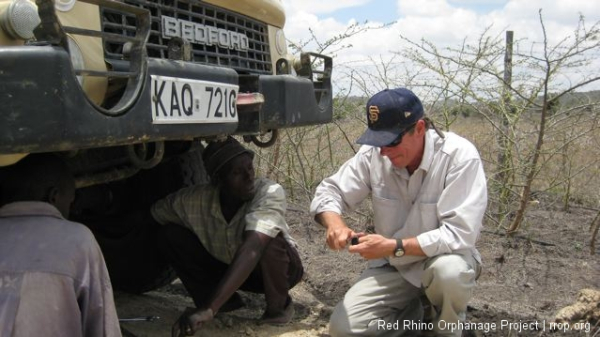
pixel 389 113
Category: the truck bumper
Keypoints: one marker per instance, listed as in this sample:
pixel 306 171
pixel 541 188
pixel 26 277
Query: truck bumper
pixel 43 108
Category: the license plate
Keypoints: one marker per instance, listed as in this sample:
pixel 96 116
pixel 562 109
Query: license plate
pixel 179 100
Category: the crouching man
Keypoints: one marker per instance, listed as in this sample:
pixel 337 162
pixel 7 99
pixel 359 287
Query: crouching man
pixel 429 197
pixel 53 280
pixel 227 235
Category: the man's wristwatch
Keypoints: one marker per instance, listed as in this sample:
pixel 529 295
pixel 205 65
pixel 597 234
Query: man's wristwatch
pixel 399 248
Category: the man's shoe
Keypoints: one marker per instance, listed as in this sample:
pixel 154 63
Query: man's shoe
pixel 282 318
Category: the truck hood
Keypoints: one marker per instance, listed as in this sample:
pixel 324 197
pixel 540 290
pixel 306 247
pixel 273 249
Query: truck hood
pixel 268 11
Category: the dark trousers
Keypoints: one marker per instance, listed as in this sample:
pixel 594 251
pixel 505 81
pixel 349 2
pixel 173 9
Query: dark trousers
pixel 278 270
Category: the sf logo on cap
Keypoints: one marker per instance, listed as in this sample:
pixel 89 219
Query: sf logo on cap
pixel 373 113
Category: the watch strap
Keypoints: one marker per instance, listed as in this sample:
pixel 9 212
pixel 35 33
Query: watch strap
pixel 399 251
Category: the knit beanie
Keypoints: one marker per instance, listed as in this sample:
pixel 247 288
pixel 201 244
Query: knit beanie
pixel 219 153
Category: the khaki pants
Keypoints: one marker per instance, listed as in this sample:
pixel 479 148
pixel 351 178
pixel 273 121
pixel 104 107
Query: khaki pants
pixel 383 303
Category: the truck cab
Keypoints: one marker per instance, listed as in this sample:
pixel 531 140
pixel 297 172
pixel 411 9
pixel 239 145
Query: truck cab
pixel 127 92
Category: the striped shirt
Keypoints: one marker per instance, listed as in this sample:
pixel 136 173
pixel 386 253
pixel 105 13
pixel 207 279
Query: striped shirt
pixel 198 209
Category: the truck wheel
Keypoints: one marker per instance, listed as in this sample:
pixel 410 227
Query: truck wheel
pixel 133 260
pixel 128 243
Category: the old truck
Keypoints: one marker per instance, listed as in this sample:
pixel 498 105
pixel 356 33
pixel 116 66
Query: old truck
pixel 128 92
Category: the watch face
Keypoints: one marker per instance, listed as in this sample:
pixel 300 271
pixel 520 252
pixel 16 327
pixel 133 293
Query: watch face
pixel 399 248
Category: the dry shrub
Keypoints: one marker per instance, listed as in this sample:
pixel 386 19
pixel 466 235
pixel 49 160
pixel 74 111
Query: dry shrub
pixel 302 157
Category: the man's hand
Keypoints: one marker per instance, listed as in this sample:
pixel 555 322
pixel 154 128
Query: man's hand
pixel 191 321
pixel 338 236
pixel 374 246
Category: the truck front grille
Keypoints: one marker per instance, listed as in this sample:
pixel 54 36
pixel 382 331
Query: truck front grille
pixel 255 60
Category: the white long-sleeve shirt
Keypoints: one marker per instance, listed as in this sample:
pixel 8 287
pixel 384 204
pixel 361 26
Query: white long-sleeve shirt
pixel 442 203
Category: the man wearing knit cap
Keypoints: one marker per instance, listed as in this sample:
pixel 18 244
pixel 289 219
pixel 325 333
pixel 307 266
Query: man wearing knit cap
pixel 429 196
pixel 227 235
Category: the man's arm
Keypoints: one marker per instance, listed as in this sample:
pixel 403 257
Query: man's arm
pixel 375 246
pixel 264 221
pixel 372 246
pixel 341 192
pixel 245 260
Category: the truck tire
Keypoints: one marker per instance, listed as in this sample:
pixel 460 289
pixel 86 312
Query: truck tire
pixel 133 260
pixel 126 235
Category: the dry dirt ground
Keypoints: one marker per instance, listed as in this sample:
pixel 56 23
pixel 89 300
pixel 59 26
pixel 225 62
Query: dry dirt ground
pixel 527 278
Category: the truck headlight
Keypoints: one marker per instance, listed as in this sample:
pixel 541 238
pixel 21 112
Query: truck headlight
pixel 280 42
pixel 76 57
pixel 20 19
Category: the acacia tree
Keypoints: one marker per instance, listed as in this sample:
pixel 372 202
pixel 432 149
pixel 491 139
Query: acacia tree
pixel 531 113
pixel 567 54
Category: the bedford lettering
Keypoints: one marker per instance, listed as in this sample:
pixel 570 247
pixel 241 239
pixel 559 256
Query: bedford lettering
pixel 202 34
